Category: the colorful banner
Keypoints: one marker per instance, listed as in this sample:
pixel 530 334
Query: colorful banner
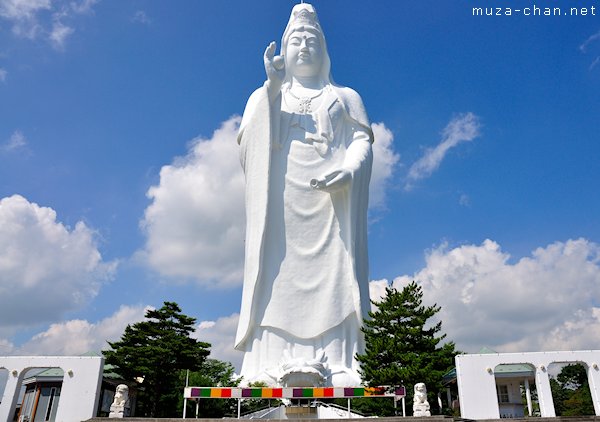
pixel 290 392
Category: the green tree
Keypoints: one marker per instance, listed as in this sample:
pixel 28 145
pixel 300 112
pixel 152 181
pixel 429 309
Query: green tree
pixel 559 396
pixel 572 376
pixel 153 353
pixel 403 346
pixel 571 392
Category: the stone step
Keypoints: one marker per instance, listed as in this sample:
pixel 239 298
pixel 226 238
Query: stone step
pixel 388 419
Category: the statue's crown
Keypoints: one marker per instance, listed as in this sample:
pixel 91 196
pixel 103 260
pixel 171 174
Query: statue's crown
pixel 304 14
pixel 305 17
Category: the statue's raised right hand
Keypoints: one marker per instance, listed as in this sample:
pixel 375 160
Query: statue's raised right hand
pixel 275 68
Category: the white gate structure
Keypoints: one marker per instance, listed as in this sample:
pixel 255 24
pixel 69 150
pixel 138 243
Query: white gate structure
pixel 477 383
pixel 80 388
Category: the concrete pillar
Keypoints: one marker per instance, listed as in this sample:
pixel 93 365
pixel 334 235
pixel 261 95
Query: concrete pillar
pixel 10 396
pixel 594 382
pixel 542 383
pixel 528 396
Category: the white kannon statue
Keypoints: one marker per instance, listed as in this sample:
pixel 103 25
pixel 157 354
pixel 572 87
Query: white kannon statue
pixel 305 147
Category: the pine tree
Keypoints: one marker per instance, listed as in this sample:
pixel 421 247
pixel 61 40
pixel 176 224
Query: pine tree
pixel 153 353
pixel 571 391
pixel 403 346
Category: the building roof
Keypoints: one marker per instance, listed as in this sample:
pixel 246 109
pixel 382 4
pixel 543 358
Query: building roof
pixel 504 370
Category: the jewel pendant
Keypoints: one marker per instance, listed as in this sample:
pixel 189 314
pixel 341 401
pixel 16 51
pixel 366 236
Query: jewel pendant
pixel 305 105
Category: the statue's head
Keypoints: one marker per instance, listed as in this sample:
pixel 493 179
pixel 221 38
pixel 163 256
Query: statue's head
pixel 303 45
pixel 420 387
pixel 123 390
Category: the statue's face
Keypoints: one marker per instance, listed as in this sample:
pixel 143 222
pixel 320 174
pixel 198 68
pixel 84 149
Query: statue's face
pixel 304 54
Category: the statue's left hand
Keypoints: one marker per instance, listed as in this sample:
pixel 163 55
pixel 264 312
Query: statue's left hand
pixel 336 180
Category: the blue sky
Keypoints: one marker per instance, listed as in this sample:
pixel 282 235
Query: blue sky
pixel 120 184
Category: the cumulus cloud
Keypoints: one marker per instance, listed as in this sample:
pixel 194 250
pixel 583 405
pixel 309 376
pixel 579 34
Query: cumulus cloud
pixel 46 268
pixel 3 74
pixel 221 335
pixel 377 290
pixel 77 336
pixel 195 223
pixel 16 141
pixel 384 162
pixel 462 128
pixel 546 301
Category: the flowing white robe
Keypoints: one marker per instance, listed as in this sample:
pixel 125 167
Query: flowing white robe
pixel 306 269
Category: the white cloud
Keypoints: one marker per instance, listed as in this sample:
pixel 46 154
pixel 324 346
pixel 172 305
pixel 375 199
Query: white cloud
pixel 22 9
pixel 45 19
pixel 583 47
pixel 3 74
pixel 17 140
pixel 46 269
pixel 83 6
pixel 59 34
pixel 463 128
pixel 377 290
pixel 6 348
pixel 141 17
pixel 23 15
pixel 77 336
pixel 221 335
pixel 464 200
pixel 195 223
pixel 546 301
pixel 384 161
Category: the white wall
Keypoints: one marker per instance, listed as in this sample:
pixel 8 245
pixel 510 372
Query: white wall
pixel 477 385
pixel 80 388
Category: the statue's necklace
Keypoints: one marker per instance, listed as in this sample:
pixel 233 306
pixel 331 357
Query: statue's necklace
pixel 305 103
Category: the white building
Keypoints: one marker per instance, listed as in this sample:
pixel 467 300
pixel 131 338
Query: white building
pixel 489 384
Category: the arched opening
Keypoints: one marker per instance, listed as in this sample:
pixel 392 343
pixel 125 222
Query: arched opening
pixel 570 388
pixel 515 390
pixel 39 394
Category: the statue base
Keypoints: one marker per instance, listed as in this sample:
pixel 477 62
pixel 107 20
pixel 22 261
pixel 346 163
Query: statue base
pixel 420 411
pixel 118 412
